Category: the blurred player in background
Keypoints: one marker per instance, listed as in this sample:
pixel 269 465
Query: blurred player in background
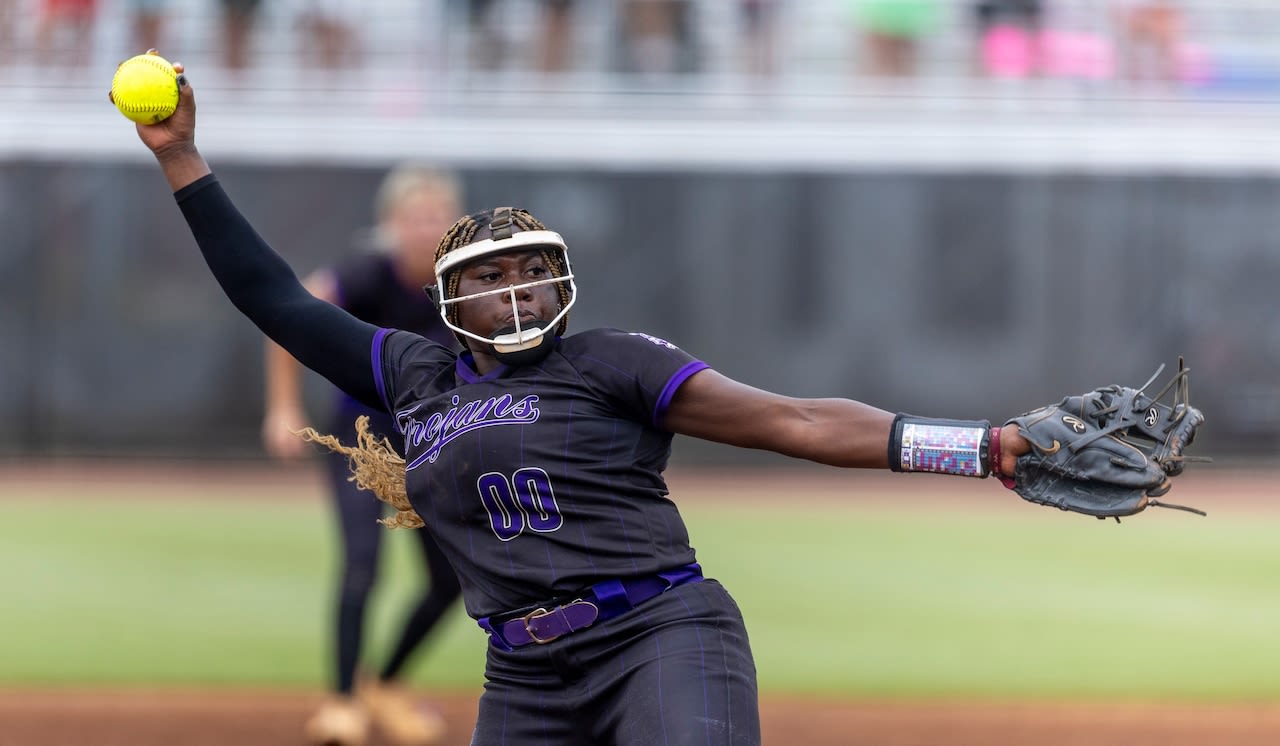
pixel 536 459
pixel 385 287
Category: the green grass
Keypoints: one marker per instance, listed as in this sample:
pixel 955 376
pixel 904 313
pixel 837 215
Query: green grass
pixel 1036 603
pixel 149 592
pixel 871 601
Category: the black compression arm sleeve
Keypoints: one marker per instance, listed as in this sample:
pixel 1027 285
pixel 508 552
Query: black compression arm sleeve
pixel 264 288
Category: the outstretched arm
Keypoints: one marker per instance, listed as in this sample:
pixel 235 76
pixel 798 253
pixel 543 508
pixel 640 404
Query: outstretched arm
pixel 837 432
pixel 258 282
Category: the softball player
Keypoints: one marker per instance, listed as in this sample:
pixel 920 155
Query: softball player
pixel 535 459
pixel 414 207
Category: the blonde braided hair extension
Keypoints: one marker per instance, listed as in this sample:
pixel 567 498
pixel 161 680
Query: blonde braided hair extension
pixel 375 464
pixel 376 467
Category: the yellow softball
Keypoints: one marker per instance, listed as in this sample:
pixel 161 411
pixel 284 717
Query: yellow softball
pixel 145 88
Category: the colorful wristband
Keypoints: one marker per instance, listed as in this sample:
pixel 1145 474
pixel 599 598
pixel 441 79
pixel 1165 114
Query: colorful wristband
pixel 959 447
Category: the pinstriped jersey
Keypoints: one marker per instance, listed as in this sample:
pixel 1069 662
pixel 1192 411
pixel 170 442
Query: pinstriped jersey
pixel 538 481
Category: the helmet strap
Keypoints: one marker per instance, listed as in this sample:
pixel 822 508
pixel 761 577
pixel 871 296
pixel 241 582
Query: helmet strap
pixel 502 225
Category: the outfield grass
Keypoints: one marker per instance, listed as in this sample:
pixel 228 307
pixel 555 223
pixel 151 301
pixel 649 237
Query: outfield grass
pixel 854 599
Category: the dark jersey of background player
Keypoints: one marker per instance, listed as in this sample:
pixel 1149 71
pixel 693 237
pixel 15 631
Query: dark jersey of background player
pixel 368 287
pixel 552 465
pixel 382 285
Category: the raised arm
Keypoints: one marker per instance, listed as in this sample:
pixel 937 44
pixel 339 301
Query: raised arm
pixel 258 282
pixel 837 432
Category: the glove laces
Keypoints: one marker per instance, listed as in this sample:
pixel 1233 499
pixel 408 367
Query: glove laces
pixel 1113 399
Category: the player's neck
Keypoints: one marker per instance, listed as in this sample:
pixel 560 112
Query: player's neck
pixel 483 362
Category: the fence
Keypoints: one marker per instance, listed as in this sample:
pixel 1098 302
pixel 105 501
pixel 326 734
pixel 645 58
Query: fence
pixel 966 295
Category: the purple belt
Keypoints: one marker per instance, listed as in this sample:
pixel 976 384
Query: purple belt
pixel 602 601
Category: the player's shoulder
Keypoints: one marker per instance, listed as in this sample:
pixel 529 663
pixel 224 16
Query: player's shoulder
pixel 609 349
pixel 409 348
pixel 602 339
pixel 631 369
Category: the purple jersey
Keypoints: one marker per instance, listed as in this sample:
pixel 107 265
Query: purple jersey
pixel 541 480
pixel 537 481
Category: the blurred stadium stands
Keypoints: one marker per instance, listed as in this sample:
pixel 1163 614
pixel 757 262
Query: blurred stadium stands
pixel 419 83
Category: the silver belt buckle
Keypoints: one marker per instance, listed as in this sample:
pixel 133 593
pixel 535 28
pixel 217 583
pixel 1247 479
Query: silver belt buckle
pixel 537 614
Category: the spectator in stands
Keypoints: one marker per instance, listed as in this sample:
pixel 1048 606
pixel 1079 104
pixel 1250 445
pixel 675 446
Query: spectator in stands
pixel 64 32
pixel 487 45
pixel 554 48
pixel 1150 39
pixel 484 48
pixel 891 33
pixel 330 39
pixel 657 37
pixel 8 23
pixel 148 23
pixel 238 18
pixel 1008 34
pixel 759 32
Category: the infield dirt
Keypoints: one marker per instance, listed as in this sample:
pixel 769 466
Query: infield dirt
pixel 247 718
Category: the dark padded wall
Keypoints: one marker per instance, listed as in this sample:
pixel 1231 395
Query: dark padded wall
pixel 965 295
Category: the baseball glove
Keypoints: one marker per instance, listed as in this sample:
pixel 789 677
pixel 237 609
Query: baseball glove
pixel 1108 453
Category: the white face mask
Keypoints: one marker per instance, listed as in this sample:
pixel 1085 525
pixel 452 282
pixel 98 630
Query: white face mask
pixel 522 337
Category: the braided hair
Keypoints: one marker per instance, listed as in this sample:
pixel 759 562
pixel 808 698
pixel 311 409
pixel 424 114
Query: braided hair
pixel 477 227
pixel 376 467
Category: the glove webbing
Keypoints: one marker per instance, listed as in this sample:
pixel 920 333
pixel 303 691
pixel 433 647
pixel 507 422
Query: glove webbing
pixel 1128 400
